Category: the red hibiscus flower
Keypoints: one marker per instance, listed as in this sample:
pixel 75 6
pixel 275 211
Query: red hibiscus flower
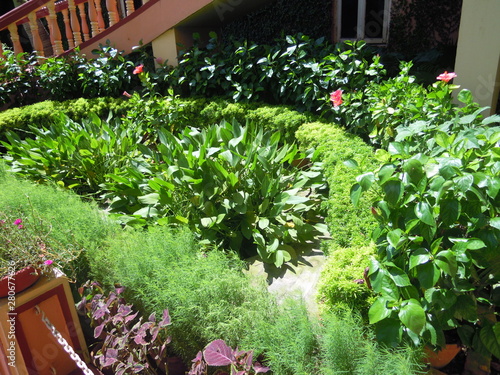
pixel 336 97
pixel 138 69
pixel 446 77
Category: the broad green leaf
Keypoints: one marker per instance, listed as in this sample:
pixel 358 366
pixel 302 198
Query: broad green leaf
pixel 413 316
pixel 495 222
pixel 393 190
pixel 447 262
pixel 351 163
pixel 378 311
pixel 389 331
pixel 263 222
pixel 418 257
pixel 450 211
pixel 394 236
pixel 366 180
pixel 428 274
pixel 152 198
pixel 464 183
pixel 208 222
pixel 399 277
pixel 415 170
pixel 356 192
pixel 424 213
pixel 490 337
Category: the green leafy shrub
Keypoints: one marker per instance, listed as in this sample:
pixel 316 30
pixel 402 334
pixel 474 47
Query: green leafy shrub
pixel 17 83
pixel 342 286
pixel 349 226
pixel 73 154
pixel 375 111
pixel 437 265
pixel 296 70
pixel 207 295
pixel 232 184
pixel 108 74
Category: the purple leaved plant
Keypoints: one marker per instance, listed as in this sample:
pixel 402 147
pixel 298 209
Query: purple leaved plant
pixel 125 343
pixel 219 354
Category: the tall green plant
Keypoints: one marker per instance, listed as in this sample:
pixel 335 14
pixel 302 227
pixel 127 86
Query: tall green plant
pixel 438 266
pixel 232 184
pixel 76 155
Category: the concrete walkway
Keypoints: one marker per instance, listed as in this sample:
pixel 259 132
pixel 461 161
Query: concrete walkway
pixel 298 279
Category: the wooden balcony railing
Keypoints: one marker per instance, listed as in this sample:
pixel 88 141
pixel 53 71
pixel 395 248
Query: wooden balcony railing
pixel 57 26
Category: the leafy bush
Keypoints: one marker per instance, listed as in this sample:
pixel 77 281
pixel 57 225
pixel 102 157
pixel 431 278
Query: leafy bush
pixel 234 185
pixel 437 265
pixel 298 71
pixel 375 111
pixel 73 154
pixel 349 226
pixel 17 83
pixel 342 286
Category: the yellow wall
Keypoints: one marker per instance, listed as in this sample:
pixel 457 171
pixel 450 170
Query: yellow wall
pixel 478 52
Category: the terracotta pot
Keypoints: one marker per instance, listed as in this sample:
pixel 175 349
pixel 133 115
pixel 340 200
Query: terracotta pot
pixel 443 357
pixel 21 280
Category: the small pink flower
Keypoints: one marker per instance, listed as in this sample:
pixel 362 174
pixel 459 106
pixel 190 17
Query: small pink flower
pixel 18 221
pixel 159 60
pixel 336 97
pixel 48 262
pixel 446 77
pixel 20 226
pixel 126 94
pixel 138 69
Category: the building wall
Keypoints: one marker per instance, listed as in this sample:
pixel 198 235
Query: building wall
pixel 478 53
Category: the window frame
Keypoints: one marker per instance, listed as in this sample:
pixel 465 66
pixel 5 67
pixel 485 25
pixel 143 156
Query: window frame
pixel 360 29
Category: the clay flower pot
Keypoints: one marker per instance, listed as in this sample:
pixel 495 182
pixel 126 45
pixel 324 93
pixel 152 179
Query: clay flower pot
pixel 21 280
pixel 441 358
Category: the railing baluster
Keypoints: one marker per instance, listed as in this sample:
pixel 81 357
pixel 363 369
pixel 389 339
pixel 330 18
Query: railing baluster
pixel 93 18
pixel 55 33
pixel 67 29
pixel 100 19
pixel 129 4
pixel 85 26
pixel 14 36
pixel 1 50
pixel 75 24
pixel 35 34
pixel 112 12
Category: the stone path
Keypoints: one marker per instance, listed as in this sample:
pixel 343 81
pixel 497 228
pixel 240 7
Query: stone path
pixel 298 278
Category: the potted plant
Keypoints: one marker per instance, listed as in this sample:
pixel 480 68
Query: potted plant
pixel 27 251
pixel 438 266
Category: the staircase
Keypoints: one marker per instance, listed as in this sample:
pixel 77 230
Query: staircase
pixel 56 27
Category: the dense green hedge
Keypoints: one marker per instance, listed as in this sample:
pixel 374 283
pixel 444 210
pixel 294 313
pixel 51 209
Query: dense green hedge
pixel 349 226
pixel 44 113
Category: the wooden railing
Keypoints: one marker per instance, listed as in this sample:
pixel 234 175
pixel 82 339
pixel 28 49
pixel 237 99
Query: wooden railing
pixel 56 26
